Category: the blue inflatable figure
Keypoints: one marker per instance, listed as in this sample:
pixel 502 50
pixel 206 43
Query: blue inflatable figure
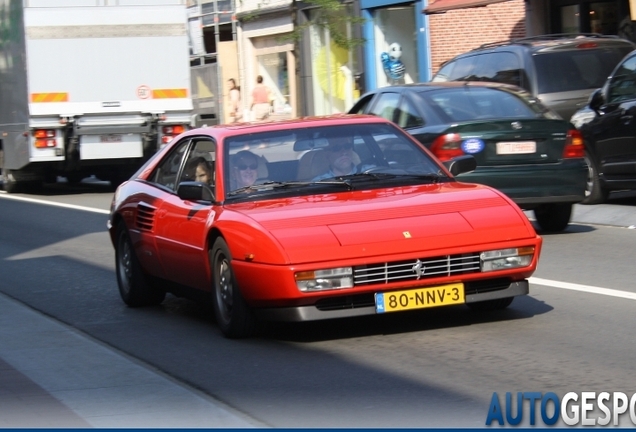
pixel 393 66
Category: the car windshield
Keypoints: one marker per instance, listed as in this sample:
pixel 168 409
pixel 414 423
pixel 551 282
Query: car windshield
pixel 468 103
pixel 323 159
pixel 576 69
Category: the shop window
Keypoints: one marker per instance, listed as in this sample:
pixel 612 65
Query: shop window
pixel 274 70
pixel 333 81
pixel 395 45
pixel 570 19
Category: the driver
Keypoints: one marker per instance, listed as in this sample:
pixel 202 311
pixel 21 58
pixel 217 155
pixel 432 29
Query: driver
pixel 339 153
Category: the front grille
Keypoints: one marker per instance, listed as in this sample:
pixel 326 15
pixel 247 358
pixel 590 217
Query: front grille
pixel 346 302
pixel 416 269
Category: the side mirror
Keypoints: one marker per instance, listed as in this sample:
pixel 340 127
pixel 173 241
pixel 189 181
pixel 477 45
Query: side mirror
pixel 194 191
pixel 596 100
pixel 461 164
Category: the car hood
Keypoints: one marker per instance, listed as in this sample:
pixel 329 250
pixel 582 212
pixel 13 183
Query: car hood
pixel 388 221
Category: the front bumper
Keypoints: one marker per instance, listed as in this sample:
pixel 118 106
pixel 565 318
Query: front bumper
pixel 358 305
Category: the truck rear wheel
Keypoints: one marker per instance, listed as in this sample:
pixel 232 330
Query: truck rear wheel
pixel 14 181
pixel 9 183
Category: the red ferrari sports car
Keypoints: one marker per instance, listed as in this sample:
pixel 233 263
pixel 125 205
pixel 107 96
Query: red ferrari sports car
pixel 312 219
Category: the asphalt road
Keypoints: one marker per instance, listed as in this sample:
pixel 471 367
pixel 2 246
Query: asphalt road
pixel 435 368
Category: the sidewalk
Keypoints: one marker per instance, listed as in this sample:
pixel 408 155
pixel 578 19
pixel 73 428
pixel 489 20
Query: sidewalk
pixel 52 376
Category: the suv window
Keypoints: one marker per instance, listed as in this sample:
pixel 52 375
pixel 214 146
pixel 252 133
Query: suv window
pixel 623 83
pixel 503 67
pixel 462 69
pixel 575 69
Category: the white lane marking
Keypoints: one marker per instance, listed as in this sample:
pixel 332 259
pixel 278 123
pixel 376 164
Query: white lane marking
pixel 583 288
pixel 56 204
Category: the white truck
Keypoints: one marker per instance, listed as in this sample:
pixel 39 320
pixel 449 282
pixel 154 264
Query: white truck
pixel 90 87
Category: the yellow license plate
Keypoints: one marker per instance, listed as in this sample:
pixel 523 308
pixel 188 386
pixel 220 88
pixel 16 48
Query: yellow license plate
pixel 419 298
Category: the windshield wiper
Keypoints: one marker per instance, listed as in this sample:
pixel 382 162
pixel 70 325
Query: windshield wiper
pixel 290 184
pixel 393 174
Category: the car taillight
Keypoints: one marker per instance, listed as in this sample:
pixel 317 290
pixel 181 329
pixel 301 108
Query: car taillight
pixel 447 146
pixel 574 147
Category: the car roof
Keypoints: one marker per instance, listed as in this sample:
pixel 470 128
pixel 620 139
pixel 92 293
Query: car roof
pixel 427 86
pixel 557 42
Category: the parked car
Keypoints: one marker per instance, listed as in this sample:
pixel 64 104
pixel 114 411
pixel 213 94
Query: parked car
pixel 397 233
pixel 608 126
pixel 521 147
pixel 560 70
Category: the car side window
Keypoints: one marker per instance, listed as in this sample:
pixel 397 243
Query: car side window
pixel 623 84
pixel 200 163
pixel 361 106
pixel 407 115
pixel 502 67
pixel 386 106
pixel 167 173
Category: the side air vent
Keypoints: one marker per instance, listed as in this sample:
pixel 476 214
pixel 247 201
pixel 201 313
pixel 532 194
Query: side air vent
pixel 145 217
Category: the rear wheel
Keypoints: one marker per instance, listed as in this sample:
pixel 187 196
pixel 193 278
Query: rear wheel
pixel 14 181
pixel 594 192
pixel 488 305
pixel 553 217
pixel 9 182
pixel 134 286
pixel 234 317
pixel 74 177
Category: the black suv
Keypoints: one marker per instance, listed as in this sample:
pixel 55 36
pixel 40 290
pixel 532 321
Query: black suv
pixel 561 70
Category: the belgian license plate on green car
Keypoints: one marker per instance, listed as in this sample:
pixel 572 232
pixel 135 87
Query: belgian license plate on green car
pixel 516 147
pixel 419 298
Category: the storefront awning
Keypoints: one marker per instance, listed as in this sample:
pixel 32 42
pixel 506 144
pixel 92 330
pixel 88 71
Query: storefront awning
pixel 441 6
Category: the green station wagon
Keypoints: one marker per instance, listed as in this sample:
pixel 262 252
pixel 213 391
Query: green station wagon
pixel 521 147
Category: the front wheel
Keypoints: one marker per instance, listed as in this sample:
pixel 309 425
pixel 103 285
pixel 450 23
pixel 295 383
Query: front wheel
pixel 553 217
pixel 594 192
pixel 133 283
pixel 234 317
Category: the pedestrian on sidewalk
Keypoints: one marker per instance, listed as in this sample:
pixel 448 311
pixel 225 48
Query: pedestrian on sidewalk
pixel 235 101
pixel 260 100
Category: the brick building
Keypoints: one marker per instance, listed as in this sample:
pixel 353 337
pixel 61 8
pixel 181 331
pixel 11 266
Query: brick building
pixel 461 30
pixel 456 26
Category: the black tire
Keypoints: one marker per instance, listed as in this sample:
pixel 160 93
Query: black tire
pixel 489 305
pixel 9 183
pixel 553 217
pixel 133 283
pixel 233 316
pixel 594 192
pixel 74 178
